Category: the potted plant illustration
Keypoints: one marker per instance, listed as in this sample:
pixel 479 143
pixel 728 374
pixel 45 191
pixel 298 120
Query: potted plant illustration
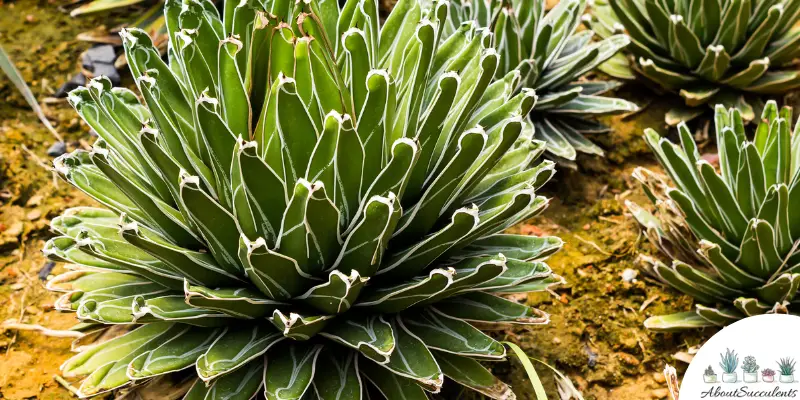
pixel 768 375
pixel 750 368
pixel 709 376
pixel 730 360
pixel 786 366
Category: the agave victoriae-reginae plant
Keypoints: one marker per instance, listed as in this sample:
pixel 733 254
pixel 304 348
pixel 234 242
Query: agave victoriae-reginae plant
pixel 713 51
pixel 733 234
pixel 304 189
pixel 553 58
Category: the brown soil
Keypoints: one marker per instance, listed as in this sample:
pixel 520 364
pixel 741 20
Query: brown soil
pixel 596 334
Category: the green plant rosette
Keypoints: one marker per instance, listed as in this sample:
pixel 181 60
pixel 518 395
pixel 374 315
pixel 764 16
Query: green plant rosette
pixel 731 231
pixel 555 58
pixel 304 203
pixel 730 52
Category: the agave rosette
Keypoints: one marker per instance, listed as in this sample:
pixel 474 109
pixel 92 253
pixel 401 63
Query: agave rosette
pixel 553 57
pixel 710 52
pixel 303 189
pixel 732 233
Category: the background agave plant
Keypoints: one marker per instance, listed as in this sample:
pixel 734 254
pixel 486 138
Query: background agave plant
pixel 740 220
pixel 553 57
pixel 712 52
pixel 304 189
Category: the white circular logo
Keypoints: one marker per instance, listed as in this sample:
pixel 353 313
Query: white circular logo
pixel 754 358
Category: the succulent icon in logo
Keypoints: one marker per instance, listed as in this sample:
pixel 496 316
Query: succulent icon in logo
pixel 750 368
pixel 729 362
pixel 786 367
pixel 709 376
pixel 768 375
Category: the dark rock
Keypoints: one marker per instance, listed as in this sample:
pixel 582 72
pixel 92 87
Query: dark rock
pixel 46 270
pixel 103 54
pixel 98 60
pixel 107 70
pixel 77 81
pixel 591 356
pixel 57 149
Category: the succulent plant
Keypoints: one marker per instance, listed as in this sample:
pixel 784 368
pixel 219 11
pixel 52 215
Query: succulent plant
pixel 731 234
pixel 709 371
pixel 553 58
pixel 750 365
pixel 768 372
pixel 729 361
pixel 712 52
pixel 303 189
pixel 786 366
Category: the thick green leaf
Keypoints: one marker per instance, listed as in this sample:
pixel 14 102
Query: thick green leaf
pixel 473 375
pixel 364 247
pixel 238 302
pixel 519 247
pixel 216 224
pixel 299 327
pixel 483 307
pixel 277 276
pixel 393 386
pixel 371 335
pixel 396 298
pixel 450 335
pixel 235 347
pixel 289 370
pixel 337 295
pixel 339 376
pixel 412 359
pixel 242 384
pixel 175 354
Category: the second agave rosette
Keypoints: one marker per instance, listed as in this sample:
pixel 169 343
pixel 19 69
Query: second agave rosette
pixel 732 232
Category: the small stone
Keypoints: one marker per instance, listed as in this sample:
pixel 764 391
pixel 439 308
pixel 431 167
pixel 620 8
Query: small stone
pixel 659 377
pixel 629 275
pixel 46 270
pixel 103 53
pixel 628 359
pixel 32 310
pixel 556 340
pixel 14 230
pixel 77 81
pixel 34 201
pixel 659 393
pixel 57 149
pixel 592 356
pixel 107 70
pixel 33 215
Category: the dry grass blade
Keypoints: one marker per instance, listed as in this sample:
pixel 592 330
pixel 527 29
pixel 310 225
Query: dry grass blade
pixel 16 78
pixel 14 325
pixel 101 6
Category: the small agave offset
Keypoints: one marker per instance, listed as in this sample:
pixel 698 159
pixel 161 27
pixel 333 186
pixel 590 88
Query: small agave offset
pixel 713 51
pixel 553 58
pixel 303 190
pixel 732 234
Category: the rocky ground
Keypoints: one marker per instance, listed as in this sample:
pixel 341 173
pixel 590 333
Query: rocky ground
pixel 596 335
